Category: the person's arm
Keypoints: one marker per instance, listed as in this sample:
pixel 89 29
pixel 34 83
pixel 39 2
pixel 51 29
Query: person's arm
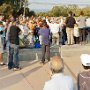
pixel 7 33
pixel 39 32
pixel 74 21
pixel 66 21
pixel 78 19
pixel 48 22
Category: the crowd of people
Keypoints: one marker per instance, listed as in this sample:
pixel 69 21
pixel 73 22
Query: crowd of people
pixel 43 32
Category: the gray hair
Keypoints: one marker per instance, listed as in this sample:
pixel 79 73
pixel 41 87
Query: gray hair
pixel 56 64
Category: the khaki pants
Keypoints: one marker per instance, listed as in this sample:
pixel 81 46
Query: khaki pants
pixel 70 35
pixel 55 38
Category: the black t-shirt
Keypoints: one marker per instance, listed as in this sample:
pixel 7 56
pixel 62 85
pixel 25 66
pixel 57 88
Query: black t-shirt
pixel 14 34
pixel 70 21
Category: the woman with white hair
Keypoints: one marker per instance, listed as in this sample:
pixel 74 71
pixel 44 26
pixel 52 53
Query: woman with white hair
pixel 58 81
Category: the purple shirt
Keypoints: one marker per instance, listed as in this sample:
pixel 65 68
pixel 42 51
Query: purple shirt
pixel 45 32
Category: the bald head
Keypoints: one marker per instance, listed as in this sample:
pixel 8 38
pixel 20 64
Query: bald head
pixel 56 64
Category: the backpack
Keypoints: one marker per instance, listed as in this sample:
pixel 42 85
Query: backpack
pixel 37 43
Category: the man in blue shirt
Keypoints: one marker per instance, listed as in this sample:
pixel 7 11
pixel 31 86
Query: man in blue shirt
pixel 45 33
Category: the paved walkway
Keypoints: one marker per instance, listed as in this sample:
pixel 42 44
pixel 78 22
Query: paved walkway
pixel 33 75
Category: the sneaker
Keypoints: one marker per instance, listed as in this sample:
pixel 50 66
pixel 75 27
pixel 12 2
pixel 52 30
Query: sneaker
pixel 9 68
pixel 16 68
pixel 41 62
pixel 2 64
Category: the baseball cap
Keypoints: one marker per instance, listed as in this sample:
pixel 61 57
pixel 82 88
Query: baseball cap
pixel 85 59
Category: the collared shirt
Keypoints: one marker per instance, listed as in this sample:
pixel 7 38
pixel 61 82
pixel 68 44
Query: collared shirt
pixel 59 82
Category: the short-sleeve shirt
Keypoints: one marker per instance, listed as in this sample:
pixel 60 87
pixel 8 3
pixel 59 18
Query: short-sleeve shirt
pixel 45 32
pixel 14 35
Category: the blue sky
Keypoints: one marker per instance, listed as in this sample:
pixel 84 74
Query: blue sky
pixel 39 4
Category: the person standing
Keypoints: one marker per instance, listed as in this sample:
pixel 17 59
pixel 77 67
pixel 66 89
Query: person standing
pixel 2 43
pixel 45 32
pixel 31 26
pixel 55 31
pixel 81 25
pixel 70 21
pixel 58 81
pixel 83 80
pixel 14 47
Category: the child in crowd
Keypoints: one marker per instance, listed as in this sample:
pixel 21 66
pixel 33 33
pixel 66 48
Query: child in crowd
pixel 76 34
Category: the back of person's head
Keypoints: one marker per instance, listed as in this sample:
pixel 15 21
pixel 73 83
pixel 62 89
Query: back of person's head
pixel 85 60
pixel 82 13
pixel 56 64
pixel 44 24
pixel 14 23
pixel 70 13
pixel 31 21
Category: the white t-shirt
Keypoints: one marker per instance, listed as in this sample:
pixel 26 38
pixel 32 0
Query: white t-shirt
pixel 88 22
pixel 54 27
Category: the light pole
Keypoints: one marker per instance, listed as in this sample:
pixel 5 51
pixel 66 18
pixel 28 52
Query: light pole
pixel 24 7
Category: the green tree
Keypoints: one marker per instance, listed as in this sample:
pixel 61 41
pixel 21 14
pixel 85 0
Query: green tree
pixel 6 9
pixel 14 6
pixel 56 11
pixel 86 10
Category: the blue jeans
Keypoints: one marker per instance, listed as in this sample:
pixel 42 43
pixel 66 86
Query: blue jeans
pixel 3 43
pixel 13 56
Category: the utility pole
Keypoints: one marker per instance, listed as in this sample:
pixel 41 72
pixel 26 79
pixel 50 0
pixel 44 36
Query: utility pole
pixel 24 7
pixel 20 4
